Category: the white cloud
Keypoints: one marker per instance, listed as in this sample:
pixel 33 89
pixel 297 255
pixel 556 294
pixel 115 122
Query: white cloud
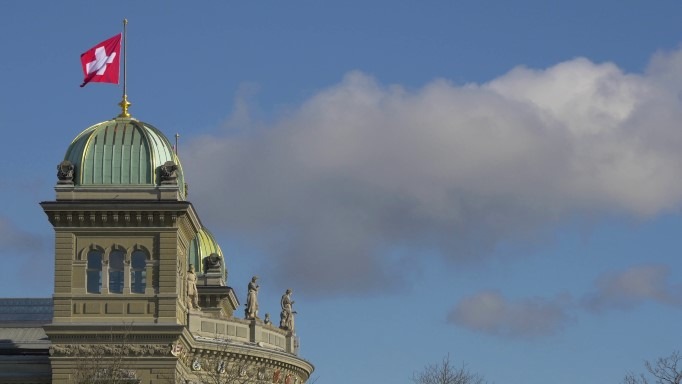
pixel 632 287
pixel 360 169
pixel 490 313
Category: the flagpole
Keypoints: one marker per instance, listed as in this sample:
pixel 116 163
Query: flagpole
pixel 124 102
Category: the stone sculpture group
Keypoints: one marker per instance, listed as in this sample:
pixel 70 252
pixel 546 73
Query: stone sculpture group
pixel 286 316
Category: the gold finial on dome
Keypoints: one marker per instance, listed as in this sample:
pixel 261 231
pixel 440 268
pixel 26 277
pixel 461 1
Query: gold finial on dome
pixel 124 104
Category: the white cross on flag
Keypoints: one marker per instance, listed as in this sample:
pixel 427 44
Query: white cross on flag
pixel 101 62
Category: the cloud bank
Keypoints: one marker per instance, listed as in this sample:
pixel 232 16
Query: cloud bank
pixel 488 312
pixel 333 189
pixel 634 286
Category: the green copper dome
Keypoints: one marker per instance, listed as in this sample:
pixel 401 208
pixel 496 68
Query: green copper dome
pixel 202 246
pixel 121 152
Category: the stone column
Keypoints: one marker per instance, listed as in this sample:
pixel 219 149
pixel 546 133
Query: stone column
pixel 105 276
pixel 126 276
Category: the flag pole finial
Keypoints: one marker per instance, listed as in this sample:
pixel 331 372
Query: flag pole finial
pixel 124 104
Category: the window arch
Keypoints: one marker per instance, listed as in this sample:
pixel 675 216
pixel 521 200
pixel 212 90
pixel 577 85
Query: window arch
pixel 138 271
pixel 94 271
pixel 116 258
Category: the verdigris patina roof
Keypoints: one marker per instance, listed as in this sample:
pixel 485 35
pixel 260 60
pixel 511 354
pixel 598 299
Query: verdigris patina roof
pixel 121 152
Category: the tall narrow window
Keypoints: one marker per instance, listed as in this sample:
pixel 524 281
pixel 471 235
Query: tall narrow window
pixel 116 272
pixel 94 272
pixel 138 272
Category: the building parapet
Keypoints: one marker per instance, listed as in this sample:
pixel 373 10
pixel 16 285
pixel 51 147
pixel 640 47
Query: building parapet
pixel 243 331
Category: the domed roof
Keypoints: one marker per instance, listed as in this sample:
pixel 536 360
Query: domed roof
pixel 121 152
pixel 202 246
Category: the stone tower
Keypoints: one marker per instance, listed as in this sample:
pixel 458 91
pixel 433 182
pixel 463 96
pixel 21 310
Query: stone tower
pixel 140 285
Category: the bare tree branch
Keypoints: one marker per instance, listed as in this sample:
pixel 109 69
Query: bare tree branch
pixel 665 370
pixel 446 373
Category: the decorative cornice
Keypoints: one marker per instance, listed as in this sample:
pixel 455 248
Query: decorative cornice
pixel 125 213
pixel 111 219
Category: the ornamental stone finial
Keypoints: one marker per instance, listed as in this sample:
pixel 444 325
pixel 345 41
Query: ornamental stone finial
pixel 65 171
pixel 168 173
pixel 212 263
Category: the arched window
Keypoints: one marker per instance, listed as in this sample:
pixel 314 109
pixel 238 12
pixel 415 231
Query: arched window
pixel 116 271
pixel 94 272
pixel 138 272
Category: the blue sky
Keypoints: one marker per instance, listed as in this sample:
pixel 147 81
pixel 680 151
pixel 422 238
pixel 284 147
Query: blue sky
pixel 498 181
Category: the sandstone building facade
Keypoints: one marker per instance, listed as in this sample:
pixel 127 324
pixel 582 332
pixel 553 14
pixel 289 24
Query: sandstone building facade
pixel 140 285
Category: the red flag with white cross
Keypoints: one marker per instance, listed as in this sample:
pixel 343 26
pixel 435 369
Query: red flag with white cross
pixel 101 62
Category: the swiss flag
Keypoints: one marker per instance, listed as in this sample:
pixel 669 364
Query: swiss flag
pixel 101 62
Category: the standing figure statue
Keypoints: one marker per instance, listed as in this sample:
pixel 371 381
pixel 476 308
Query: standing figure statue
pixel 192 292
pixel 286 317
pixel 251 311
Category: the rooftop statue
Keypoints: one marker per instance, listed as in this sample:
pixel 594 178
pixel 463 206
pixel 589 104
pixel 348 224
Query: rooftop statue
pixel 251 311
pixel 286 317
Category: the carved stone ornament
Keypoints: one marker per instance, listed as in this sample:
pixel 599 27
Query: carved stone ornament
pixel 65 172
pixel 168 173
pixel 196 364
pixel 221 367
pixel 261 374
pixel 212 263
pixel 108 350
pixel 176 349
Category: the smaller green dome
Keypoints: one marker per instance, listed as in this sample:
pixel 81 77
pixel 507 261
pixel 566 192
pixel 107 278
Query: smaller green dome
pixel 202 246
pixel 122 152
